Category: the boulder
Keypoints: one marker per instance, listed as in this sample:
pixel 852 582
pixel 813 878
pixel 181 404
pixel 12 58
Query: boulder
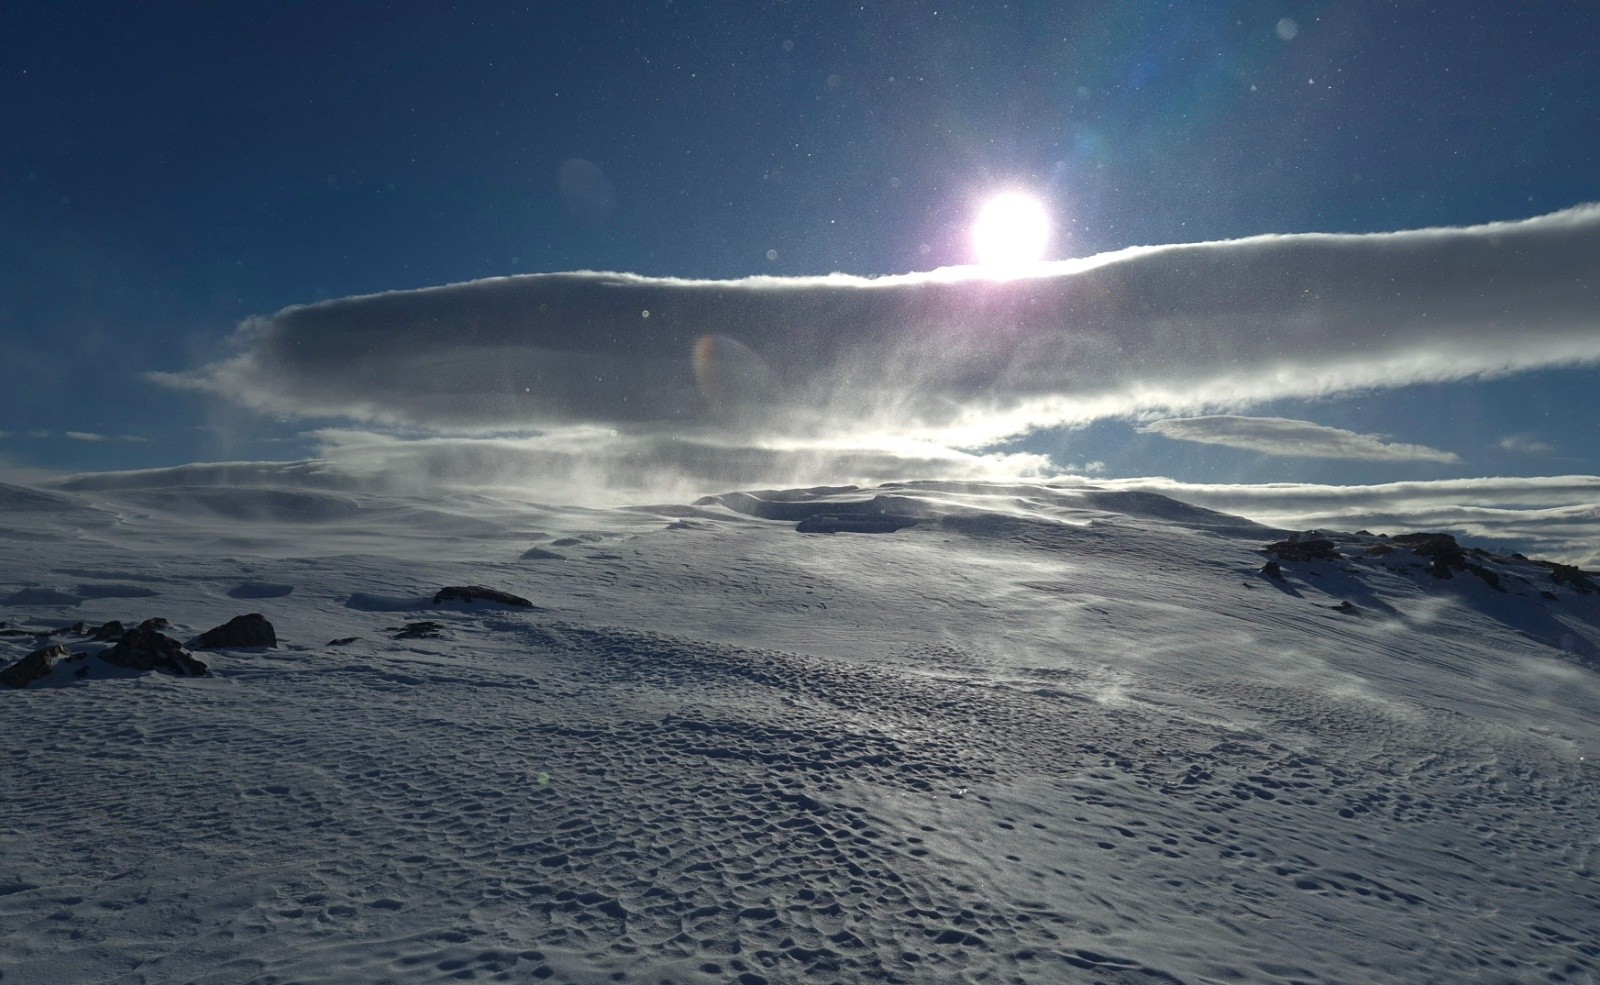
pixel 477 593
pixel 1272 570
pixel 416 630
pixel 250 630
pixel 145 648
pixel 1571 576
pixel 1445 556
pixel 33 666
pixel 112 630
pixel 1313 549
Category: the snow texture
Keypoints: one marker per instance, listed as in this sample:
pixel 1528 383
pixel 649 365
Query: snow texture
pixel 1034 734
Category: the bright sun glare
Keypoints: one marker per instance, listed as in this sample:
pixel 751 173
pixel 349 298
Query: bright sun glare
pixel 1012 232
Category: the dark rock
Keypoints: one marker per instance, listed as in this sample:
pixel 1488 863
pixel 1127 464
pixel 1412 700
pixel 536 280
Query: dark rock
pixel 1490 578
pixel 250 630
pixel 146 649
pixel 1427 543
pixel 1571 576
pixel 471 593
pixel 33 666
pixel 1445 555
pixel 1379 550
pixel 1548 595
pixel 341 641
pixel 156 623
pixel 1347 607
pixel 112 630
pixel 540 554
pixel 416 630
pixel 827 523
pixel 1314 549
pixel 1272 570
pixel 15 632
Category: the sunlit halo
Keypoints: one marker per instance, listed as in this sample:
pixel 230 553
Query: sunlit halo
pixel 1012 232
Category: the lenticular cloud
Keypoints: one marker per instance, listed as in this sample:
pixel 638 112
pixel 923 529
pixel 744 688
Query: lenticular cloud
pixel 947 355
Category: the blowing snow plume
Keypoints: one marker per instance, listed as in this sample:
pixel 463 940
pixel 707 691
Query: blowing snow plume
pixel 949 357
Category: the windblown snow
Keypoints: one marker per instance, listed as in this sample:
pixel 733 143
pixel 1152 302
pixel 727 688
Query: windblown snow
pixel 949 733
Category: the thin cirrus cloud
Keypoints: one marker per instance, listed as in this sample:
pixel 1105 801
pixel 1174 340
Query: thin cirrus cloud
pixel 1290 438
pixel 1526 444
pixel 948 356
pixel 94 438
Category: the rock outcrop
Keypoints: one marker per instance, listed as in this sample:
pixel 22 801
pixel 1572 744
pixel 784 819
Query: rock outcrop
pixel 1571 576
pixel 828 523
pixel 146 648
pixel 424 630
pixel 1310 549
pixel 250 630
pixel 478 593
pixel 33 666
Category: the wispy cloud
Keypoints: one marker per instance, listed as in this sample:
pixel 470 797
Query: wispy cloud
pixel 1527 444
pixel 92 437
pixel 948 355
pixel 1299 439
pixel 599 467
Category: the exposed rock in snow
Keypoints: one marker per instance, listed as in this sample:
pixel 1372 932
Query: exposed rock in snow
pixel 1571 576
pixel 541 554
pixel 478 593
pixel 826 523
pixel 248 630
pixel 145 648
pixel 107 632
pixel 1311 549
pixel 425 629
pixel 33 666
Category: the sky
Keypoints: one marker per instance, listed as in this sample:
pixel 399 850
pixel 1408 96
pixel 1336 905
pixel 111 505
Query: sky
pixel 197 203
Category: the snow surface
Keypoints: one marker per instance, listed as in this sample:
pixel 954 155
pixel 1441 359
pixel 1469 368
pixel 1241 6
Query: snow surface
pixel 1040 735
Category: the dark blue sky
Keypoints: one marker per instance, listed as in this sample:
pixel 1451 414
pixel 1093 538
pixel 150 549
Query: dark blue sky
pixel 170 169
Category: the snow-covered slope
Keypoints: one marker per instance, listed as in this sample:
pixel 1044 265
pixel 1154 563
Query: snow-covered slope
pixel 1018 734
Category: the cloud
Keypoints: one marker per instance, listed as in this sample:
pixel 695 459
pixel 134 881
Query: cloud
pixel 1301 439
pixel 1525 443
pixel 90 436
pixel 597 467
pixel 1548 516
pixel 948 355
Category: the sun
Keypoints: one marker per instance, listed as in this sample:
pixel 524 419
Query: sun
pixel 1012 233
